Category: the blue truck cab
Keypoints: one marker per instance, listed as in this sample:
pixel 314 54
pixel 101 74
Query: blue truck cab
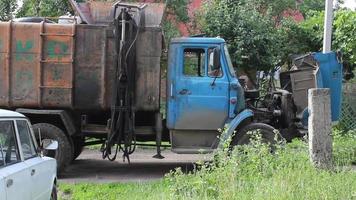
pixel 206 104
pixel 203 93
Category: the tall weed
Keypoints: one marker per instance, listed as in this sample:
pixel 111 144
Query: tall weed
pixel 253 172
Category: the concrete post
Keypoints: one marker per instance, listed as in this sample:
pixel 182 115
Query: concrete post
pixel 319 128
pixel 328 26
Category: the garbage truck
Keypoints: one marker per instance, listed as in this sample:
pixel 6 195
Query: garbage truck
pixel 97 80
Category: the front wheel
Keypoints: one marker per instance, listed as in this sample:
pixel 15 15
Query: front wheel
pixel 268 134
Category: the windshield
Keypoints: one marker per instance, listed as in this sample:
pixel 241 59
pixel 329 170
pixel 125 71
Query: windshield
pixel 228 59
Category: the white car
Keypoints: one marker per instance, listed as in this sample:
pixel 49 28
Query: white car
pixel 24 173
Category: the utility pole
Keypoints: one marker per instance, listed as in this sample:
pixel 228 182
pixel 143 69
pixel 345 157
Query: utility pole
pixel 328 26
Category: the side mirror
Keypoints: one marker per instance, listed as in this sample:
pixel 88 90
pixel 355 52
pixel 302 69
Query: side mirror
pixel 216 62
pixel 48 144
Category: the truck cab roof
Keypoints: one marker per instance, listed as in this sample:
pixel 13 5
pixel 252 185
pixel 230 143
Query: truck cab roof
pixel 199 40
pixel 10 114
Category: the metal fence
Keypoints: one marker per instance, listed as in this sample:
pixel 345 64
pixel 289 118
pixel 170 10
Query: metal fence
pixel 348 110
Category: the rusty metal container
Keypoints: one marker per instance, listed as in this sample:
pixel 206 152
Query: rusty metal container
pixel 70 66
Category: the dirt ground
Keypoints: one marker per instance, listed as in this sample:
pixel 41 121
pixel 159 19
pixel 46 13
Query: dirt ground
pixel 90 167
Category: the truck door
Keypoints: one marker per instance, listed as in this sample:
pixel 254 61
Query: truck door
pixel 198 90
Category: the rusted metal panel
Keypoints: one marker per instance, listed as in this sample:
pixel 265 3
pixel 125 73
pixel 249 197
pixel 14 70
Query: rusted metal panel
pixel 5 49
pixel 24 57
pixel 148 72
pixel 56 71
pixel 71 66
pixel 101 12
pixel 148 57
pixel 153 14
pixel 83 10
pixel 91 67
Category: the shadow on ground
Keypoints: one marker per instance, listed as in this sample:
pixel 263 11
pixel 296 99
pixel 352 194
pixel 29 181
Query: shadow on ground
pixel 90 167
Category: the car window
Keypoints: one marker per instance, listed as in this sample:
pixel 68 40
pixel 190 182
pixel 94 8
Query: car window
pixel 2 153
pixel 213 71
pixel 194 62
pixel 27 144
pixel 9 152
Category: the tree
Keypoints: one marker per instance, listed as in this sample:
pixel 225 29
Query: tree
pixel 45 8
pixel 307 6
pixel 250 29
pixel 7 8
pixel 344 35
pixel 344 31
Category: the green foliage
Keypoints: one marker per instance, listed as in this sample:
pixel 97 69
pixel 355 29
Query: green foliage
pixel 248 28
pixel 308 6
pixel 314 26
pixel 45 8
pixel 295 40
pixel 344 32
pixel 7 8
pixel 249 172
pixel 344 147
pixel 170 31
pixel 260 39
pixel 179 8
pixel 139 191
pixel 252 172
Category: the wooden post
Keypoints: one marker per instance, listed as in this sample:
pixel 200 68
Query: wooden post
pixel 319 128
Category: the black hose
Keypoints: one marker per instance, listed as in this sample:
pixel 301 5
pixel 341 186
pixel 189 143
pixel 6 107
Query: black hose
pixel 119 122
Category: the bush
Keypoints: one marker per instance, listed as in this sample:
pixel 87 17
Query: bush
pixel 252 172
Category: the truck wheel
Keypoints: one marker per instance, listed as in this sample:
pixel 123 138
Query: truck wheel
pixel 268 134
pixel 78 146
pixel 63 154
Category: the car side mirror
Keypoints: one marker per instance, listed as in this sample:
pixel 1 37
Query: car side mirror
pixel 216 62
pixel 48 144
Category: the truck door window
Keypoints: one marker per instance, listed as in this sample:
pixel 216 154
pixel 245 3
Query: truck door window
pixel 229 63
pixel 8 144
pixel 212 70
pixel 194 62
pixel 27 144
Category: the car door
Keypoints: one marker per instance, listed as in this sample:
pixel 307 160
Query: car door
pixel 2 187
pixel 15 172
pixel 201 92
pixel 42 169
pixel 2 177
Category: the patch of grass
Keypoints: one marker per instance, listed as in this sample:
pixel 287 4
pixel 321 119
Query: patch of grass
pixel 344 148
pixel 254 173
pixel 114 191
pixel 247 173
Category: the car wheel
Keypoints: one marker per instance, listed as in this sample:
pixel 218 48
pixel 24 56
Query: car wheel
pixel 64 153
pixel 54 192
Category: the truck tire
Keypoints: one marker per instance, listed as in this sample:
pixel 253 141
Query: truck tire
pixel 268 134
pixel 78 143
pixel 63 154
